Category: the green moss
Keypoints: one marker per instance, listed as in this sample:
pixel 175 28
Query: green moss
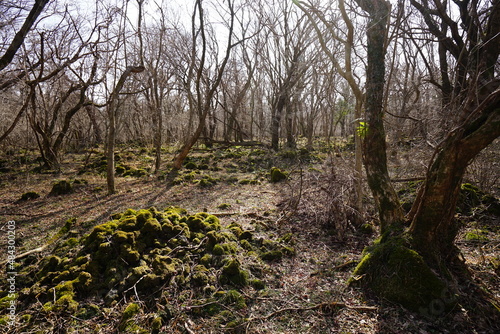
pixel 83 281
pixel 286 238
pixel 223 206
pixel 367 228
pixel 120 170
pixel 99 233
pixel 218 250
pixel 200 276
pixel 287 250
pixel 276 175
pixel 150 231
pixel 129 254
pixel 234 298
pixel 6 301
pixel 165 266
pixel 195 223
pixel 233 274
pixel 121 237
pixel 26 318
pixel 246 245
pixel 257 284
pixel 128 224
pixel 88 311
pixel 190 165
pixel 206 260
pixel 236 230
pixel 143 216
pixel 273 255
pixel 62 187
pixel 156 325
pixel 29 196
pixel 396 273
pixel 471 236
pixel 246 235
pixel 131 310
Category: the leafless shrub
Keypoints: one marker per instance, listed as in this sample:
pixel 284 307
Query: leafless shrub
pixel 484 171
pixel 324 198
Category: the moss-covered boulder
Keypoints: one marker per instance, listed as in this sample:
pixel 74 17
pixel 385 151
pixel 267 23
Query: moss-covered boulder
pixel 29 196
pixel 277 175
pixel 399 274
pixel 62 187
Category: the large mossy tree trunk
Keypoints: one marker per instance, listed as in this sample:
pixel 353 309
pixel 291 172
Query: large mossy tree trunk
pixel 389 268
pixel 398 266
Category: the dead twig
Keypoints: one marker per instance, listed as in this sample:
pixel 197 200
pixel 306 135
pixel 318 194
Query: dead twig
pixel 322 307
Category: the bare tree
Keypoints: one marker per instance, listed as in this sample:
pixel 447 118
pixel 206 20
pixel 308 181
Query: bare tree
pixel 18 39
pixel 201 98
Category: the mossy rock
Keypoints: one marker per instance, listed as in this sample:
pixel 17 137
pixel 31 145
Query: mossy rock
pixel 29 196
pixel 247 181
pixel 367 228
pixel 476 236
pixel 233 298
pixel 190 165
pixel 138 252
pixel 88 311
pixel 120 170
pixel 398 274
pixel 130 311
pixel 233 274
pixel 277 175
pixel 257 284
pixel 274 255
pixel 62 187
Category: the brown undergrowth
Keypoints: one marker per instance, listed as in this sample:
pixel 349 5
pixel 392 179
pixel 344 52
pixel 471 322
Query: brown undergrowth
pixel 305 292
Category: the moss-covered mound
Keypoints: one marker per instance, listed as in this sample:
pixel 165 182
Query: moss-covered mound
pixel 29 196
pixel 62 187
pixel 152 255
pixel 398 274
pixel 277 175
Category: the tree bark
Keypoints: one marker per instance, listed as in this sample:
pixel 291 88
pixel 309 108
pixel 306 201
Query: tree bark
pixel 433 228
pixel 112 109
pixel 373 133
pixel 18 40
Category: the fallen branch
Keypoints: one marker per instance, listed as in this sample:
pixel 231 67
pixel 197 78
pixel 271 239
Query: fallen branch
pixel 324 307
pixel 23 255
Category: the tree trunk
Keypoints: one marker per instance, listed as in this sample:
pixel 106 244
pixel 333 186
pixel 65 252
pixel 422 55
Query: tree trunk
pixel 112 109
pixel 21 34
pixel 433 228
pixel 373 133
pixel 276 121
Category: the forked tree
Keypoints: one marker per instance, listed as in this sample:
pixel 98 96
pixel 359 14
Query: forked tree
pixel 398 267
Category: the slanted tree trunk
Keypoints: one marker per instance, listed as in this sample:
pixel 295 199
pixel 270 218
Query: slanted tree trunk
pixel 433 228
pixel 18 39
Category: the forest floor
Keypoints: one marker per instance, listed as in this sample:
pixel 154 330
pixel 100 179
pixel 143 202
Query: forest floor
pixel 306 287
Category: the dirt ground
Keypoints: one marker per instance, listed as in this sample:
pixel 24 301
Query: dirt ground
pixel 306 293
